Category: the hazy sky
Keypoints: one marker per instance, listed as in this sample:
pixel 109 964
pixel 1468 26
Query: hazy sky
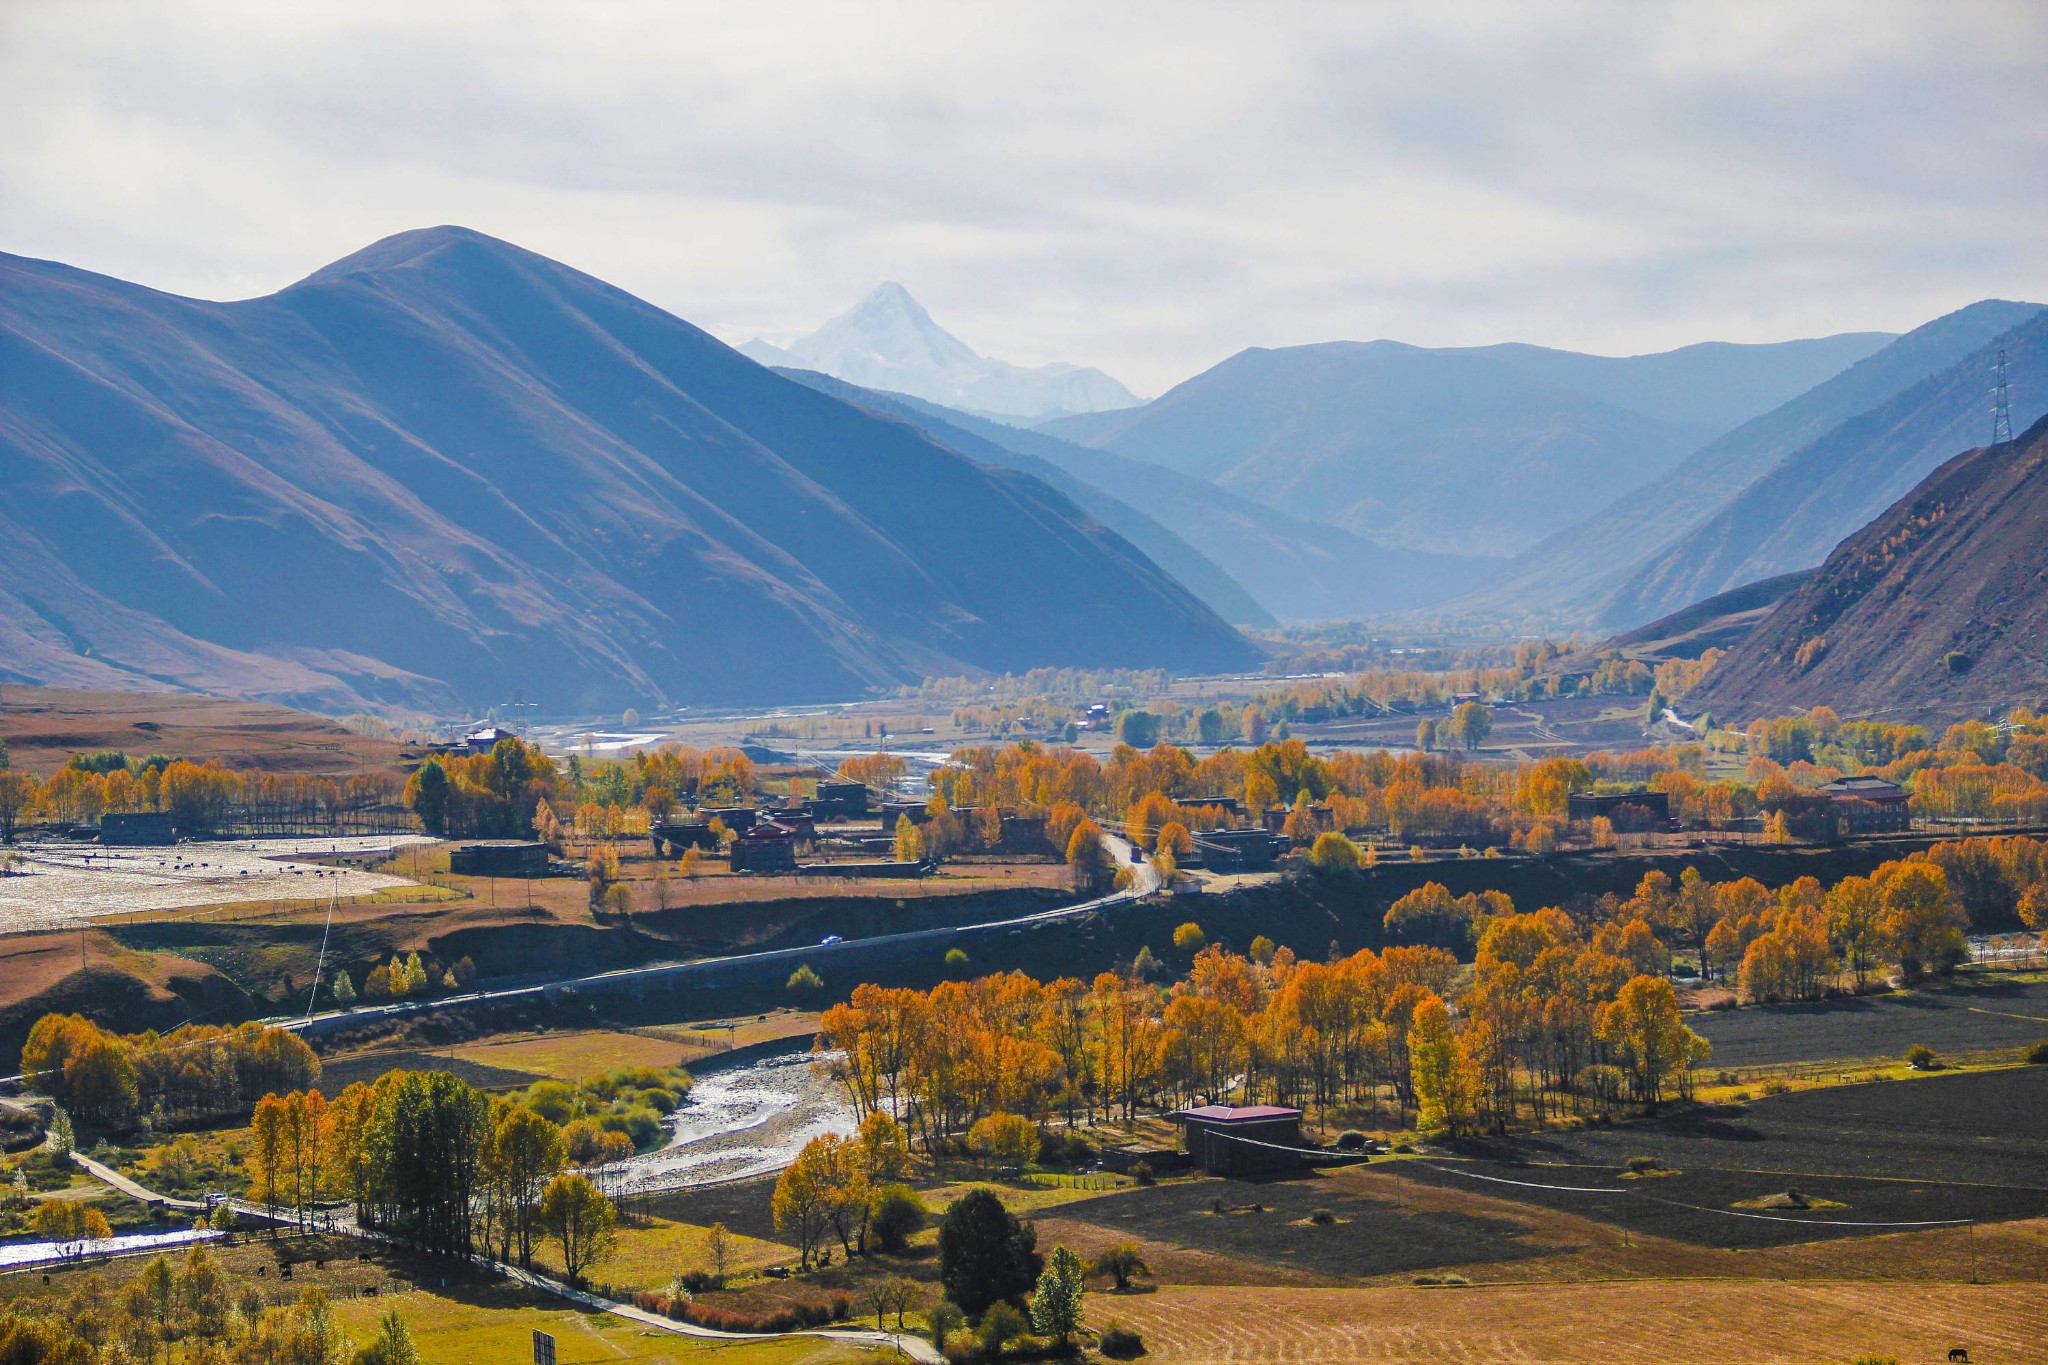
pixel 1147 188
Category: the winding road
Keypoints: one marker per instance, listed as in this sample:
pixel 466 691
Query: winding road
pixel 728 969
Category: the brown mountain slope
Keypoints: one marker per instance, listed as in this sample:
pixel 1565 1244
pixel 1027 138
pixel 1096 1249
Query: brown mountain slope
pixel 1935 611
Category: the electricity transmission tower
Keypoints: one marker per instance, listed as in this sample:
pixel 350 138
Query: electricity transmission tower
pixel 2001 405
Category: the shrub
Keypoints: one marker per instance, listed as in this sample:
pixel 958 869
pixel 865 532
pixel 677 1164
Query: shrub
pixel 1000 1325
pixel 1322 1218
pixel 896 1216
pixel 1119 1342
pixel 1350 1140
pixel 2037 1055
pixel 1189 938
pixel 1064 1147
pixel 1922 1058
pixel 956 961
pixel 1141 1171
pixel 1642 1165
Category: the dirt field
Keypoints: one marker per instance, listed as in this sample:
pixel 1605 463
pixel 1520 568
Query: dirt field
pixel 1755 1323
pixel 1967 1145
pixel 1968 1013
pixel 44 726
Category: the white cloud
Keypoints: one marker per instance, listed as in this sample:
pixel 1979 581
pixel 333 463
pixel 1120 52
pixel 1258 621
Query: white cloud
pixel 1142 187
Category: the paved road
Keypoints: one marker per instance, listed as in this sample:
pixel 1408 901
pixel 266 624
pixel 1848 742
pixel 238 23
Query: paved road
pixel 661 974
pixel 108 1175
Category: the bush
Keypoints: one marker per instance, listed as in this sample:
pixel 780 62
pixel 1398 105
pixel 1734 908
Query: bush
pixel 1643 1165
pixel 956 961
pixel 1189 938
pixel 1322 1218
pixel 1000 1325
pixel 1119 1342
pixel 896 1216
pixel 1350 1140
pixel 1922 1058
pixel 1065 1147
pixel 1141 1171
pixel 2037 1055
pixel 790 1318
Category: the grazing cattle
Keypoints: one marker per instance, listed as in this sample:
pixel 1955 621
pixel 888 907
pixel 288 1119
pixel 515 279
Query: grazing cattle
pixel 1959 1356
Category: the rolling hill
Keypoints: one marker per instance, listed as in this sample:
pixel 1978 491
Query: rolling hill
pixel 444 467
pixel 1473 451
pixel 888 341
pixel 1792 516
pixel 1574 571
pixel 1936 610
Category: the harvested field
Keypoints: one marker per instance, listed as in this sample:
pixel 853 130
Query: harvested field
pixel 1966 1146
pixel 1371 1236
pixel 1755 1323
pixel 1969 1013
pixel 1975 1127
pixel 337 1072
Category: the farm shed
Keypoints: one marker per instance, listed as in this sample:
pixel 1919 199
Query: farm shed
pixel 138 829
pixel 499 858
pixel 1630 810
pixel 1227 1139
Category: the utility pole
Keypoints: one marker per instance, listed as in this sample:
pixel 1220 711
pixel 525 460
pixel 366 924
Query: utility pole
pixel 2001 405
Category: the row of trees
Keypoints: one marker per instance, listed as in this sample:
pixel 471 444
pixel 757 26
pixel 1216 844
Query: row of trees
pixel 197 1071
pixel 427 1157
pixel 1544 1026
pixel 201 798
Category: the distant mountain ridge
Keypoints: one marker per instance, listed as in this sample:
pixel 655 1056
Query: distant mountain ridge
pixel 443 468
pixel 1474 451
pixel 1797 512
pixel 1576 570
pixel 889 342
pixel 1936 610
pixel 1293 569
pixel 974 438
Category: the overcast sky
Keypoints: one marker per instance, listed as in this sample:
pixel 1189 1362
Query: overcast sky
pixel 1145 188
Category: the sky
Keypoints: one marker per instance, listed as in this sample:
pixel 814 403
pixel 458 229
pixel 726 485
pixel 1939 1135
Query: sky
pixel 1144 187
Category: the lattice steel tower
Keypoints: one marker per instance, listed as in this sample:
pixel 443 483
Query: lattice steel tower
pixel 2001 405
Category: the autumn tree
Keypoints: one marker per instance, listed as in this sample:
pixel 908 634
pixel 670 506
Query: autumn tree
pixel 582 1222
pixel 1642 1025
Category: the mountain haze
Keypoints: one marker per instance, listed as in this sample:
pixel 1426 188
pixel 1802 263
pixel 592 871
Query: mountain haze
pixel 444 467
pixel 1295 569
pixel 1575 570
pixel 1792 516
pixel 1473 451
pixel 1935 611
pixel 967 434
pixel 888 341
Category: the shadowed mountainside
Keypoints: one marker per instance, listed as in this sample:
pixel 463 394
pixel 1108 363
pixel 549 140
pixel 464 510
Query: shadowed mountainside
pixel 1794 515
pixel 1476 451
pixel 1575 570
pixel 444 467
pixel 1936 610
pixel 1295 569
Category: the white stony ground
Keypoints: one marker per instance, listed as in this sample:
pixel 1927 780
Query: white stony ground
pixel 61 883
